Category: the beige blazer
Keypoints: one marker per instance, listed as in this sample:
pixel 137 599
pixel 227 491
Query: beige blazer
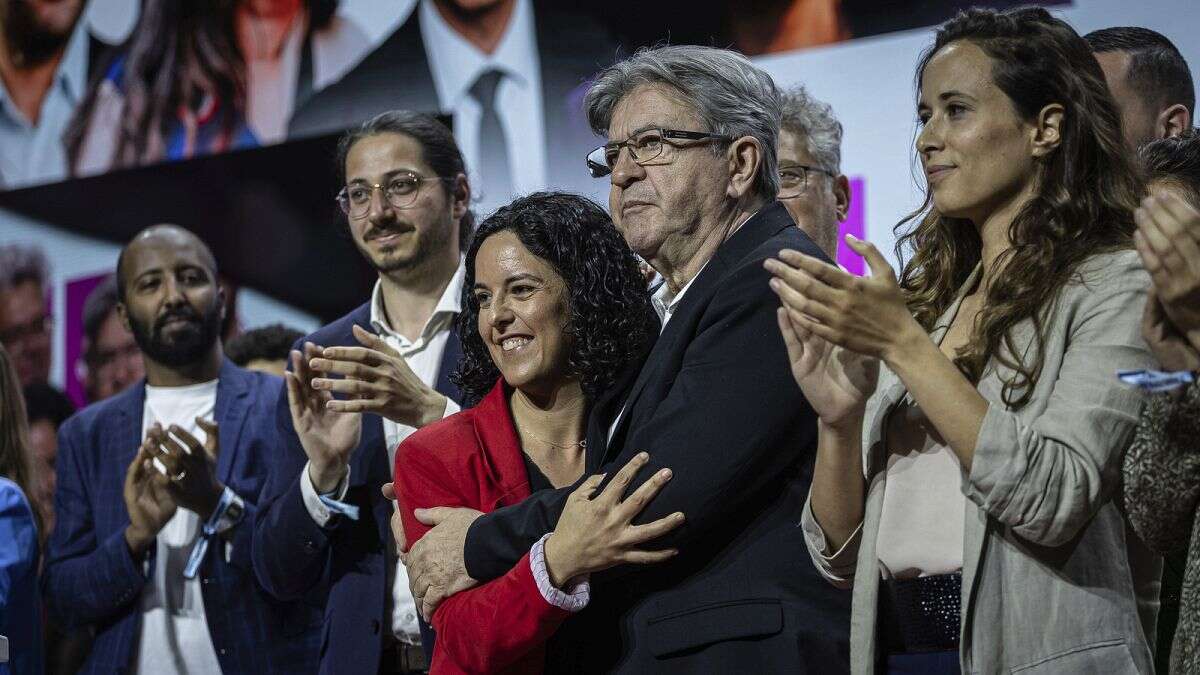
pixel 1053 580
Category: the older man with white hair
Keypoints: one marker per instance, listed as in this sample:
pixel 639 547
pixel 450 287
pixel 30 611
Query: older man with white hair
pixel 691 157
pixel 811 184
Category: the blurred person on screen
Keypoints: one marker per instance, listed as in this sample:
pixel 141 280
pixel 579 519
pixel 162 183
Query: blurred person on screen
pixel 44 62
pixel 510 74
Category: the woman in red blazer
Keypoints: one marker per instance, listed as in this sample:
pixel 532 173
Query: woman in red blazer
pixel 554 309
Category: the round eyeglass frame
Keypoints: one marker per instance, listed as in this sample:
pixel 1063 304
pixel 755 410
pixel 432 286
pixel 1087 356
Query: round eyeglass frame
pixel 405 201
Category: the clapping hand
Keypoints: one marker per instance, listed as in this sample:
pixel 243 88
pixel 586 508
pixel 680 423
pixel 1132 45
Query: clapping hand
pixel 1168 240
pixel 148 501
pixel 190 466
pixel 866 315
pixel 327 436
pixel 377 379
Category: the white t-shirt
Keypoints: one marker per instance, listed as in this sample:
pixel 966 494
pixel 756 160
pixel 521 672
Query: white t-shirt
pixel 174 636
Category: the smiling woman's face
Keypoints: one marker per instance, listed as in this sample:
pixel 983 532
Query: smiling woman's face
pixel 524 311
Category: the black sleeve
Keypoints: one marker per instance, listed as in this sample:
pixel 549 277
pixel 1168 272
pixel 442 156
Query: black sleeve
pixel 732 426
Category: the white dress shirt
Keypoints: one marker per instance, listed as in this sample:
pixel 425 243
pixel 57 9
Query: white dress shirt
pixel 271 82
pixel 424 357
pixel 174 636
pixel 32 153
pixel 456 64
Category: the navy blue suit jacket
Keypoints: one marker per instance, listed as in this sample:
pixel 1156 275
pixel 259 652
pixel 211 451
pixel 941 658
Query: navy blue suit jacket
pixel 90 575
pixel 343 563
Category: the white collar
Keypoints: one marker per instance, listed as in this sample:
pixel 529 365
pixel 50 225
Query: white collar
pixel 456 63
pixel 449 303
pixel 665 303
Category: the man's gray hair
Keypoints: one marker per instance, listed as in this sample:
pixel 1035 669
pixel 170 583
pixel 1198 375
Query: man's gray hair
pixel 731 95
pixel 814 121
pixel 20 264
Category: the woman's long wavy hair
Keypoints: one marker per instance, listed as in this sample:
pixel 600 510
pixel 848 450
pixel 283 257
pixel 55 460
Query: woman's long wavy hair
pixel 16 455
pixel 1085 193
pixel 610 317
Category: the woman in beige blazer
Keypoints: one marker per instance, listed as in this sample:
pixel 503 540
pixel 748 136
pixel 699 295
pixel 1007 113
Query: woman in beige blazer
pixel 965 486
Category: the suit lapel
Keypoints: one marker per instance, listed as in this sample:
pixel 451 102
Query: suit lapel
pixel 670 344
pixel 230 415
pixel 450 358
pixel 123 429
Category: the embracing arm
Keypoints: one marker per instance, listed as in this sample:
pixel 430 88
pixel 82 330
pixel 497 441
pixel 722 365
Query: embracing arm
pixel 1162 470
pixel 712 430
pixel 489 627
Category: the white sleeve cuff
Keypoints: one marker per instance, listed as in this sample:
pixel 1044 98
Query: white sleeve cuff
pixel 312 501
pixel 572 599
pixel 836 566
pixel 451 408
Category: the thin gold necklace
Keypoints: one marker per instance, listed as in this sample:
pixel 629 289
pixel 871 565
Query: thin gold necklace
pixel 581 442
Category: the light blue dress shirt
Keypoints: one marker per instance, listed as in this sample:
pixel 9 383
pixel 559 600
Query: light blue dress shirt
pixel 33 153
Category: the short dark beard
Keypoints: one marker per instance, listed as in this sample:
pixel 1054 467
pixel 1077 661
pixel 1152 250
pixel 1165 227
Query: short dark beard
pixel 189 348
pixel 30 43
pixel 427 247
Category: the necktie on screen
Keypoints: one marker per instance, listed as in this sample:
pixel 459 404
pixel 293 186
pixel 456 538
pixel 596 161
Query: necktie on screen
pixel 493 166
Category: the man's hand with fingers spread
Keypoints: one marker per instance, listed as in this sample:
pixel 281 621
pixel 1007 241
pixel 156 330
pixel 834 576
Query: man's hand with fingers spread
pixel 377 379
pixel 328 437
pixel 596 531
pixel 436 569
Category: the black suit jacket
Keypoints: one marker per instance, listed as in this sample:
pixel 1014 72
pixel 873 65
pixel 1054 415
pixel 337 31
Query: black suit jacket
pixel 572 47
pixel 343 564
pixel 715 402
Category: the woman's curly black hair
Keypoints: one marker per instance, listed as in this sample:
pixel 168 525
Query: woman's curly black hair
pixel 610 316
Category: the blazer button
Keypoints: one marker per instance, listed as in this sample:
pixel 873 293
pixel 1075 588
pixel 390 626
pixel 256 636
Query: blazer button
pixel 375 626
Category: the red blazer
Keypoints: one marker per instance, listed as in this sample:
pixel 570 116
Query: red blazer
pixel 473 459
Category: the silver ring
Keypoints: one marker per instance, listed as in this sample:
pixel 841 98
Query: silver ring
pixel 179 476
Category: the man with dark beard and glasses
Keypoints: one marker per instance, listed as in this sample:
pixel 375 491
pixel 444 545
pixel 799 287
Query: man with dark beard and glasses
pixel 158 486
pixel 362 385
pixel 43 76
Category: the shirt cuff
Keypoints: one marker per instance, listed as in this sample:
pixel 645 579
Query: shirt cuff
pixel 451 408
pixel 839 565
pixel 572 599
pixel 233 513
pixel 312 500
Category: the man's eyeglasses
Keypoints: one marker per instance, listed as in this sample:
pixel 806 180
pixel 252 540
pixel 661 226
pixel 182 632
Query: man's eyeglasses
pixel 793 179
pixel 645 147
pixel 400 192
